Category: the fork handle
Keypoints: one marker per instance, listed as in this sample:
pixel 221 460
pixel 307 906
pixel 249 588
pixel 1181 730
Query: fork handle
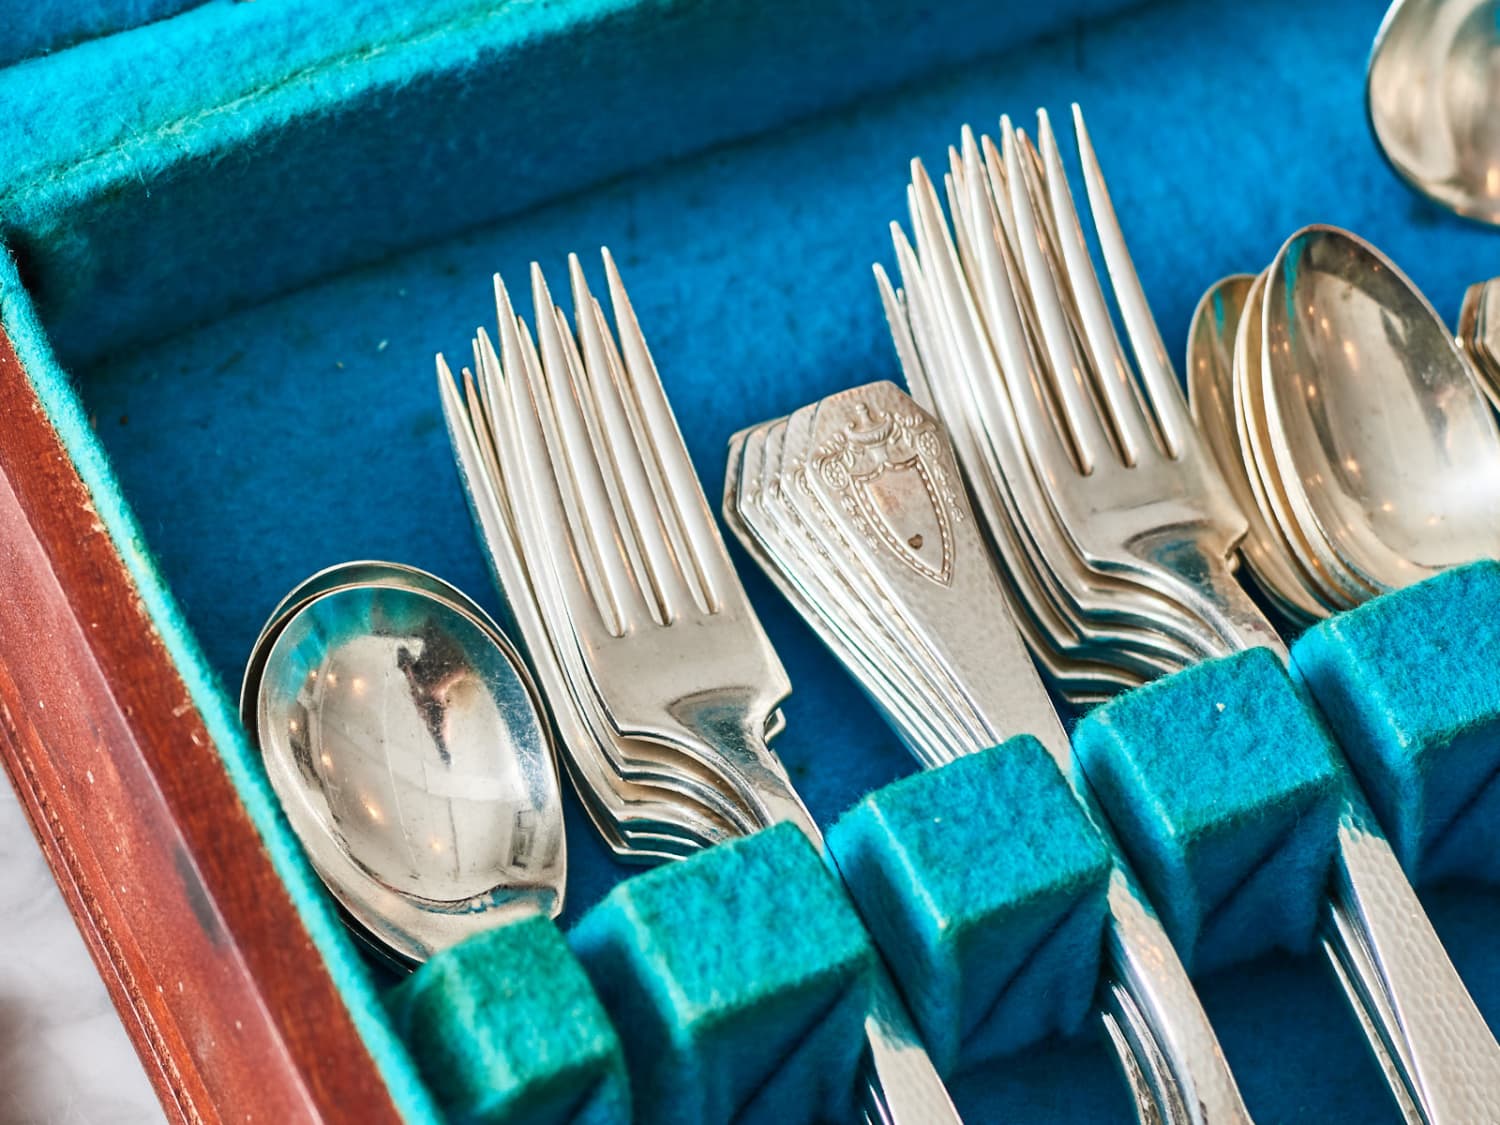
pixel 1396 970
pixel 1428 1036
pixel 902 1085
pixel 1151 982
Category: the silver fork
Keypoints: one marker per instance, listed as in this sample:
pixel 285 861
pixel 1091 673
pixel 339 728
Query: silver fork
pixel 1168 513
pixel 668 638
pixel 1130 478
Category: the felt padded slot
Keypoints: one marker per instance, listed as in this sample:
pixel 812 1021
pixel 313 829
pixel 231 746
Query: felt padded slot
pixel 741 978
pixel 1410 683
pixel 1225 789
pixel 506 1028
pixel 748 265
pixel 984 884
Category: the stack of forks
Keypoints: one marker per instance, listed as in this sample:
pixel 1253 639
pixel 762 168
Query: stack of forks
pixel 664 688
pixel 1116 530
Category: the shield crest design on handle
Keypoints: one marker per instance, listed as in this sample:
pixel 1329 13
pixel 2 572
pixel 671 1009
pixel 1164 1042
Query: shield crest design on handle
pixel 887 471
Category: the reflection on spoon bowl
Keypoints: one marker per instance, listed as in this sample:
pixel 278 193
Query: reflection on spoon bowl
pixel 1212 342
pixel 404 739
pixel 1389 452
pixel 1433 99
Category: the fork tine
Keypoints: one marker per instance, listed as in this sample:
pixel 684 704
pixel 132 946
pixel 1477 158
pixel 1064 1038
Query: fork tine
pixel 1162 388
pixel 1064 371
pixel 1000 289
pixel 539 499
pixel 619 442
pixel 604 458
pixel 1127 411
pixel 899 319
pixel 664 440
pixel 597 535
pixel 676 537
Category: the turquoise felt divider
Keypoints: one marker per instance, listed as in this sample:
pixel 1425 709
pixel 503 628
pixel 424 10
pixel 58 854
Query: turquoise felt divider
pixel 505 1027
pixel 1226 789
pixel 1409 683
pixel 740 979
pixel 325 135
pixel 286 434
pixel 984 883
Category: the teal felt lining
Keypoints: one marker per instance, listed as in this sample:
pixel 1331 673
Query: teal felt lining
pixel 136 163
pixel 749 264
pixel 1429 760
pixel 349 971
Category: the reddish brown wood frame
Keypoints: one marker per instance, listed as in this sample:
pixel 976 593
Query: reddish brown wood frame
pixel 227 1001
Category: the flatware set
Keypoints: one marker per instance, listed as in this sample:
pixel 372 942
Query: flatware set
pixel 1045 513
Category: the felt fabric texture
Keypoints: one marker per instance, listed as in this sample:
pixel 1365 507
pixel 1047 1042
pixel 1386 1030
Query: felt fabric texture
pixel 135 164
pixel 506 1029
pixel 280 435
pixel 34 27
pixel 740 978
pixel 983 884
pixel 1225 789
pixel 1410 687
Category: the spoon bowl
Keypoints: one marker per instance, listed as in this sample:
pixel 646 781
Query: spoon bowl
pixel 1433 98
pixel 404 739
pixel 1212 342
pixel 1388 450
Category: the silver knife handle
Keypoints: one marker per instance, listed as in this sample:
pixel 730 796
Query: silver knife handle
pixel 1434 1034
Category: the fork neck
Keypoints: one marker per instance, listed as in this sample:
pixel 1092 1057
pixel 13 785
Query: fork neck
pixel 1202 582
pixel 755 772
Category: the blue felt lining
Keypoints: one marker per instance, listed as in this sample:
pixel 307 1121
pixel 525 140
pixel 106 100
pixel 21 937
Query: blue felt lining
pixel 136 164
pixel 303 430
pixel 35 27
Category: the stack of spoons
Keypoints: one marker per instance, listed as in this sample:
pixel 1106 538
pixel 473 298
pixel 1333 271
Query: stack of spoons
pixel 1347 421
pixel 405 740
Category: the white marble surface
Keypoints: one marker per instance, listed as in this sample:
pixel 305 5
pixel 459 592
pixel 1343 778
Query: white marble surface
pixel 64 1057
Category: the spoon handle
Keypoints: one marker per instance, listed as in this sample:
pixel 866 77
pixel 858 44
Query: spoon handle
pixel 1398 972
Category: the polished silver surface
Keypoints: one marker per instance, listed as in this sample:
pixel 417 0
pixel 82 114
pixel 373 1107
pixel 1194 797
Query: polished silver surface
pixel 665 685
pixel 1211 346
pixel 854 506
pixel 1479 335
pixel 1426 1034
pixel 1432 95
pixel 402 736
pixel 648 803
pixel 1389 451
pixel 1003 325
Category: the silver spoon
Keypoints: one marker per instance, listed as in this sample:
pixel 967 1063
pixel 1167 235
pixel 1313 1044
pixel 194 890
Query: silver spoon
pixel 1432 94
pixel 1210 378
pixel 1479 335
pixel 403 737
pixel 1389 452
